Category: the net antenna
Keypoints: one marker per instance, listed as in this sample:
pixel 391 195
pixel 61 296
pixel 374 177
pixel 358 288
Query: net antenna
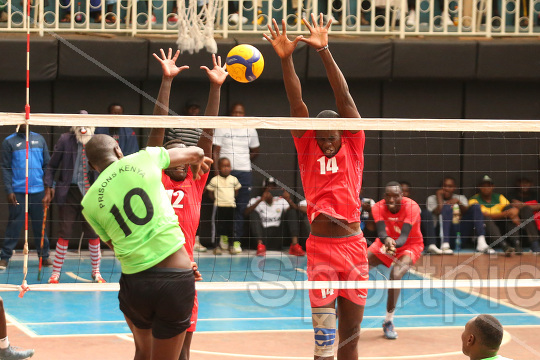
pixel 24 286
pixel 196 27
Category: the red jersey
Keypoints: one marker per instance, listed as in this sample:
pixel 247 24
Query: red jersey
pixel 332 185
pixel 408 213
pixel 186 197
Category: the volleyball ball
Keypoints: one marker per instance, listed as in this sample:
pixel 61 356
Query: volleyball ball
pixel 245 63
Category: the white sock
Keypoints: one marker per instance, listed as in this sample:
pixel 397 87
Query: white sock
pixel 389 316
pixel 4 343
pixel 481 242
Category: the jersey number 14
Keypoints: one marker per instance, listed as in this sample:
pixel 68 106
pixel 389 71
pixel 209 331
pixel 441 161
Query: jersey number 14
pixel 328 165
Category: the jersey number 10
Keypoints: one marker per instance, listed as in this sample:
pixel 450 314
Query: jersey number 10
pixel 328 166
pixel 129 211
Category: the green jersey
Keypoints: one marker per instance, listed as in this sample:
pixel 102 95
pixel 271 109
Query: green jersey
pixel 128 205
pixel 497 357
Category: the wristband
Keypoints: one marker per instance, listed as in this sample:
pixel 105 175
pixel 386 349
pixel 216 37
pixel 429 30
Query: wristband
pixel 323 48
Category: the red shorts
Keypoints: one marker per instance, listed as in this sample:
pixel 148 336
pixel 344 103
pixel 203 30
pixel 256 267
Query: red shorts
pixel 413 251
pixel 333 259
pixel 194 315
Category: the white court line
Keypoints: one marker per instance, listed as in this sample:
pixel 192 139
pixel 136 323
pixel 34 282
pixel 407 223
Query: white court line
pixel 21 326
pixel 506 339
pixel 77 277
pixel 269 318
pixel 480 295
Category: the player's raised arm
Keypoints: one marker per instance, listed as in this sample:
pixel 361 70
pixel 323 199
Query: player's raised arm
pixel 284 48
pixel 319 41
pixel 170 70
pixel 217 76
pixel 194 156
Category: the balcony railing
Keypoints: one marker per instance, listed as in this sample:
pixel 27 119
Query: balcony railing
pixel 485 18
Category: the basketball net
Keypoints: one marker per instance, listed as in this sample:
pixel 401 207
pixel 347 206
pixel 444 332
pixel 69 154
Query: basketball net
pixel 196 28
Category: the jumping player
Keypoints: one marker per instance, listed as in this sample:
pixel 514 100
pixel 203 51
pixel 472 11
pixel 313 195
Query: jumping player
pixel 128 208
pixel 331 164
pixel 399 242
pixel 184 192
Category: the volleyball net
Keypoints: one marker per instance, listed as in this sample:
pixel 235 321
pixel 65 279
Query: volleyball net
pixel 418 153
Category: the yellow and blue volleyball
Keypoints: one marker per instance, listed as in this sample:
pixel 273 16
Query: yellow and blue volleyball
pixel 245 63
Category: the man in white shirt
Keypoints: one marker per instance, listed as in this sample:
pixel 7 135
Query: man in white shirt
pixel 240 146
pixel 466 220
pixel 270 214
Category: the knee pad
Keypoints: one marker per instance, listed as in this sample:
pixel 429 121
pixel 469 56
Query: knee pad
pixel 324 326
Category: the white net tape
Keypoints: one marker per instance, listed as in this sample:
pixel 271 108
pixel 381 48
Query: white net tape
pixel 422 280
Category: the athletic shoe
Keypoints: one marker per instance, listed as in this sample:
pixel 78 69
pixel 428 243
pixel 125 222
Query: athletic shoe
pixel 519 249
pixel 296 250
pixel 13 353
pixel 173 19
pixel 98 279
pixel 217 250
pixel 509 251
pixel 3 264
pixel 433 249
pixel 237 247
pixel 54 279
pixel 411 18
pixel 261 250
pixel 198 247
pixel 485 249
pixel 388 329
pixel 234 18
pixel 47 262
pixel 445 248
pixel 233 251
pixel 224 241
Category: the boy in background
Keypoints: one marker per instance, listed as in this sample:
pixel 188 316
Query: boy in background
pixel 223 189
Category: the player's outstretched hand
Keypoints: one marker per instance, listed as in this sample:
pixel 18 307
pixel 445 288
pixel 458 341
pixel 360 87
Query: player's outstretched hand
pixel 200 168
pixel 168 64
pixel 218 74
pixel 318 31
pixel 281 43
pixel 196 272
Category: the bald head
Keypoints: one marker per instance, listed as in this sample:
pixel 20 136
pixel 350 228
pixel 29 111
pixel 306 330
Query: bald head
pixel 102 150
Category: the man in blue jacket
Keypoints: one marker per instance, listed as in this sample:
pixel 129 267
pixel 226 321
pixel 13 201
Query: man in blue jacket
pixel 13 170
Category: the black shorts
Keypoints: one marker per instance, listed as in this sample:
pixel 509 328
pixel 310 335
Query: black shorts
pixel 160 299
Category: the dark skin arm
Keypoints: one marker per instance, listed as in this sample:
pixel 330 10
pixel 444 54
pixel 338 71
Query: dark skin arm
pixel 216 150
pixel 253 153
pixel 287 198
pixel 441 202
pixel 284 48
pixel 170 70
pixel 217 76
pixel 266 196
pixel 318 40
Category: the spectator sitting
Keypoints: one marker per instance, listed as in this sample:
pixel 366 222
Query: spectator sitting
pixel 504 218
pixel 223 188
pixel 124 136
pixel 190 137
pixel 267 215
pixel 482 338
pixel 525 196
pixel 468 219
pixel 426 226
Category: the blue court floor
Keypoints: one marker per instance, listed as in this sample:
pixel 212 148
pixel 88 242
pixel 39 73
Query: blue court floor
pixel 97 312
